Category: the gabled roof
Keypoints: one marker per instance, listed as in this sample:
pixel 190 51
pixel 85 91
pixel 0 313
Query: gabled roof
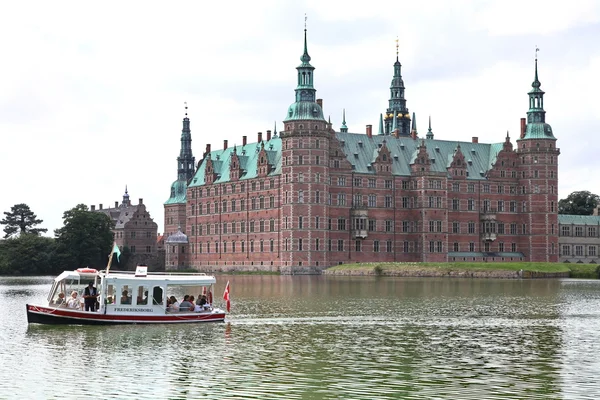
pixel 360 150
pixel 248 156
pixel 122 214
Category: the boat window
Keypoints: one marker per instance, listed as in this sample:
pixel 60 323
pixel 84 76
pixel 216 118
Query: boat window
pixel 142 295
pixel 58 294
pixel 157 295
pixel 111 297
pixel 125 295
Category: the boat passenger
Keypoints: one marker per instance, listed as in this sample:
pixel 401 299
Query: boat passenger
pixel 61 299
pixel 173 304
pixel 73 301
pixel 203 301
pixel 185 304
pixel 125 299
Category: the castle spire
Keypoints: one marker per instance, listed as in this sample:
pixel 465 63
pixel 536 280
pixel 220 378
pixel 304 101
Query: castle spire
pixel 305 107
pixel 429 132
pixel 397 103
pixel 381 132
pixel 126 202
pixel 305 57
pixel 537 128
pixel 186 160
pixel 344 128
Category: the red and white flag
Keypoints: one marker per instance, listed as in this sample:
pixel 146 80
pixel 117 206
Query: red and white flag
pixel 226 296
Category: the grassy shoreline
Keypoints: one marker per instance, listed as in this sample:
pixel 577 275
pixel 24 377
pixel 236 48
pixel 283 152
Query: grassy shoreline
pixel 479 269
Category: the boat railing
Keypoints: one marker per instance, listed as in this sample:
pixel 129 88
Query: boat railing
pixel 170 273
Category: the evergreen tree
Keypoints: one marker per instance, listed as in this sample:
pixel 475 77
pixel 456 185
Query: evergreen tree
pixel 579 203
pixel 85 239
pixel 21 220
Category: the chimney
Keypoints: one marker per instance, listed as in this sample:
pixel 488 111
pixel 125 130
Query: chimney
pixel 475 139
pixel 320 103
pixel 93 207
pixel 207 149
pixel 268 135
pixel 244 140
pixel 141 201
pixel 225 144
pixel 259 137
pixel 523 127
pixel 100 206
pixel 116 205
pixel 370 130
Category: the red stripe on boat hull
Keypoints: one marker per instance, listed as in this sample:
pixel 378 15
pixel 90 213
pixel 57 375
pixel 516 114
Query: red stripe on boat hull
pixel 56 316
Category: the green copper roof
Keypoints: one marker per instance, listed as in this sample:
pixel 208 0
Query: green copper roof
pixel 248 156
pixel 578 219
pixel 178 192
pixel 538 130
pixel 360 151
pixel 304 110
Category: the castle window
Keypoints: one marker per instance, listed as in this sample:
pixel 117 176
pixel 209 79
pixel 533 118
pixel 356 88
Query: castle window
pixel 372 200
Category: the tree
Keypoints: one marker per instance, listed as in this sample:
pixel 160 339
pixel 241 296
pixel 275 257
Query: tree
pixel 85 239
pixel 22 220
pixel 28 254
pixel 579 203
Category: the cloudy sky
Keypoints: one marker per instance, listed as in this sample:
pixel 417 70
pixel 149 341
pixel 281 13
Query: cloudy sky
pixel 92 94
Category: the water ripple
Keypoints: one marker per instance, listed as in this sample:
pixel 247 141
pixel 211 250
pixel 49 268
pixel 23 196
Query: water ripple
pixel 318 338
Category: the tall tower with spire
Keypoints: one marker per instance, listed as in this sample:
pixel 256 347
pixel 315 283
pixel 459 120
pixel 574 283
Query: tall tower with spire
pixel 175 206
pixel 539 179
pixel 397 113
pixel 185 161
pixel 305 154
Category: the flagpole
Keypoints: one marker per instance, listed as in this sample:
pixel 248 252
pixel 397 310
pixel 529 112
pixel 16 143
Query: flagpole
pixel 110 260
pixel 105 288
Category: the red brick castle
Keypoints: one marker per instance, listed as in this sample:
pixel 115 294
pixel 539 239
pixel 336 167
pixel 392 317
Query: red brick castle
pixel 310 197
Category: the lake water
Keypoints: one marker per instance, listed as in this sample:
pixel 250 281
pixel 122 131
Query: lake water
pixel 318 337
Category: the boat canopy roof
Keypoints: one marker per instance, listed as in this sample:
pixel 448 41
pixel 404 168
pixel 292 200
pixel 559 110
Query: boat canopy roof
pixel 193 279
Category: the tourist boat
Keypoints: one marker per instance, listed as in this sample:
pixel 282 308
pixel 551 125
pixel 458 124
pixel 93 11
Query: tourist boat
pixel 126 297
